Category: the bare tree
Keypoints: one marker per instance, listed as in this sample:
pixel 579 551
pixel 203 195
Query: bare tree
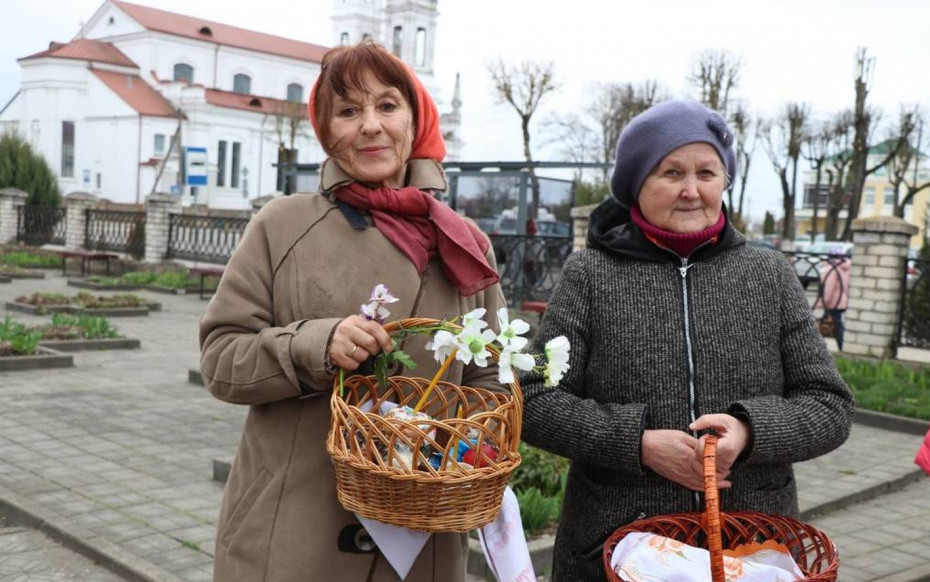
pixel 817 143
pixel 904 166
pixel 783 139
pixel 865 119
pixel 715 74
pixel 576 139
pixel 524 86
pixel 747 132
pixel 614 106
pixel 290 123
pixel 841 133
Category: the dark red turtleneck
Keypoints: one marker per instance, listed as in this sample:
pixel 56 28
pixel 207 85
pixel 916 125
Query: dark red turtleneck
pixel 683 244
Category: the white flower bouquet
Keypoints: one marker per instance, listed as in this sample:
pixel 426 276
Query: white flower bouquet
pixel 425 453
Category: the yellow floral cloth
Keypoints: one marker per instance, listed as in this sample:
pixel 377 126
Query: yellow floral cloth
pixel 645 557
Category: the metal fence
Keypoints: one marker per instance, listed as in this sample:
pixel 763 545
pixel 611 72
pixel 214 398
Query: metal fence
pixel 115 230
pixel 529 266
pixel 204 238
pixel 914 323
pixel 40 225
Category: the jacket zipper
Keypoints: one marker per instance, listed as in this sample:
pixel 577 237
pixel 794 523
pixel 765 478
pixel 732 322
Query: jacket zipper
pixel 683 269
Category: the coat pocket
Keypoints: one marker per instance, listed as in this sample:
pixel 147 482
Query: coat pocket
pixel 244 505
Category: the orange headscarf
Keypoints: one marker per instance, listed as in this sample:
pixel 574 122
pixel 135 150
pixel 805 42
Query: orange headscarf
pixel 428 142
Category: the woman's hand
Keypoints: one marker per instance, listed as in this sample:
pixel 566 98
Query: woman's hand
pixel 732 439
pixel 355 340
pixel 674 455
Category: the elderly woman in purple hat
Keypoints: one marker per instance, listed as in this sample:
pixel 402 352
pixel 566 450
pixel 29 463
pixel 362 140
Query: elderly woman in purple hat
pixel 678 327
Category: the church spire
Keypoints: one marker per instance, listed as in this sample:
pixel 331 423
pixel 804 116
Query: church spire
pixel 457 94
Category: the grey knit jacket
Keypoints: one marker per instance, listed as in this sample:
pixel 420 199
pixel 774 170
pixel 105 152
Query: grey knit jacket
pixel 655 340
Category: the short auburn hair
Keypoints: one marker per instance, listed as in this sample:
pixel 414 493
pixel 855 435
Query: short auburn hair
pixel 343 70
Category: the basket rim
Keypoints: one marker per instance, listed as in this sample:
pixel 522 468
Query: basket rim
pixel 710 521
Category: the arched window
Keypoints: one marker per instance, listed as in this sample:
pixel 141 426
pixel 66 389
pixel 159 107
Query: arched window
pixel 184 72
pixel 398 39
pixel 242 84
pixel 420 50
pixel 295 93
pixel 344 39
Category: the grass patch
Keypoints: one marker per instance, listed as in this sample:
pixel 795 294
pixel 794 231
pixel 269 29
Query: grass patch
pixel 888 387
pixel 172 279
pixel 30 259
pixel 16 339
pixel 539 484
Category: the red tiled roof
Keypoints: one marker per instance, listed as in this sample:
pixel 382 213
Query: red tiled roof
pixel 252 102
pixel 86 50
pixel 137 93
pixel 191 27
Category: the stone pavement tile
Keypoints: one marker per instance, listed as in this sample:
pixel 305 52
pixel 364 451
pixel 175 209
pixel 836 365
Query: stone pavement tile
pixel 873 539
pixel 29 556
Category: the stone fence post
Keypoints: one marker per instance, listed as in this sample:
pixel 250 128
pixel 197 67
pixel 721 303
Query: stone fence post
pixel 10 201
pixel 260 202
pixel 77 204
pixel 580 216
pixel 876 276
pixel 158 207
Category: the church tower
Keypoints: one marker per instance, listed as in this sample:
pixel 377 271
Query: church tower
pixel 407 28
pixel 410 32
pixel 356 20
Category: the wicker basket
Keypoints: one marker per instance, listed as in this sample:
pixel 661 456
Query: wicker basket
pixel 373 480
pixel 814 553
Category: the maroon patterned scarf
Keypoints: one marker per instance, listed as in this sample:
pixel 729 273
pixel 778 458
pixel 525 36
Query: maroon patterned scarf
pixel 420 226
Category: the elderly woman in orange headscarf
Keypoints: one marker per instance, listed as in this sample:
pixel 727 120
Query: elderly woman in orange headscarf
pixel 286 316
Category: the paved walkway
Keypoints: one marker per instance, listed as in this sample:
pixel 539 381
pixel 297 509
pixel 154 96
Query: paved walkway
pixel 116 455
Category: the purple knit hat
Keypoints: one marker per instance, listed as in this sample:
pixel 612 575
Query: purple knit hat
pixel 657 132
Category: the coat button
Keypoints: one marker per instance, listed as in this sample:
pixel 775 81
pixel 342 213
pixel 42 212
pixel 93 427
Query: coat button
pixel 355 539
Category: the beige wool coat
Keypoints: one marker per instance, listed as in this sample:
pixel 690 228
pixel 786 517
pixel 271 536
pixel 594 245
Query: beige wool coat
pixel 300 268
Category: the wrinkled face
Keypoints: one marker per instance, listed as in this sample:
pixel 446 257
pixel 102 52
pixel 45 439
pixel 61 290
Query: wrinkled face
pixel 372 133
pixel 684 192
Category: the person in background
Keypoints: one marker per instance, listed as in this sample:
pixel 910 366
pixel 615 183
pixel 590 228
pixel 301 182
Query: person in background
pixel 677 327
pixel 286 316
pixel 834 295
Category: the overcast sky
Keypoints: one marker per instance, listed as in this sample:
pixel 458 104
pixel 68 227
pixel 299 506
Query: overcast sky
pixel 792 50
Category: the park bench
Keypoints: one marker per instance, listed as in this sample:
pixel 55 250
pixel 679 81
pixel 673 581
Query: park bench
pixel 205 272
pixel 87 258
pixel 537 306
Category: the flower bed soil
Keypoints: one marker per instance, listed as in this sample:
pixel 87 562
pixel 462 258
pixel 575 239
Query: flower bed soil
pixel 112 311
pixel 43 358
pixel 38 309
pixel 22 274
pixel 80 283
pixel 87 345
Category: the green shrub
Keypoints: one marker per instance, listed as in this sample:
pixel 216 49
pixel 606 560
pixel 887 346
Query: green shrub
pixel 175 280
pixel 22 340
pixel 888 387
pixel 138 278
pixel 539 469
pixel 23 168
pixel 537 511
pixel 27 259
pixel 92 327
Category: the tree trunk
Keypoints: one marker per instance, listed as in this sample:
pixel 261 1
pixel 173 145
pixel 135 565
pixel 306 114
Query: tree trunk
pixel 816 202
pixel 533 210
pixel 787 224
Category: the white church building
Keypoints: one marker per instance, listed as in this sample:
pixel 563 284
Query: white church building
pixel 114 109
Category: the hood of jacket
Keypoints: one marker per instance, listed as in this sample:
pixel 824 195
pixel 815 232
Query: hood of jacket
pixel 610 228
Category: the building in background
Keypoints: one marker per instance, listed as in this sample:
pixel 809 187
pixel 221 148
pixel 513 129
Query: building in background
pixel 114 109
pixel 877 198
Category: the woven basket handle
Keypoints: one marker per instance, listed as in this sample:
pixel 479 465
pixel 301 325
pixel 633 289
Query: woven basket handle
pixel 712 510
pixel 408 322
